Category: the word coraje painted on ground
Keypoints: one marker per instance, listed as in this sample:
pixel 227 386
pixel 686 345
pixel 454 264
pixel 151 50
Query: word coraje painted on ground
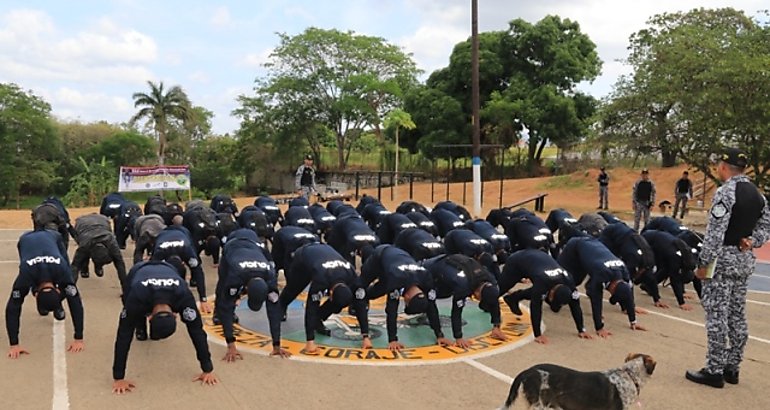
pixel 343 346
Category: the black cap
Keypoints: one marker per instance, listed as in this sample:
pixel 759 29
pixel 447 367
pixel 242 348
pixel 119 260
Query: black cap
pixel 561 297
pixel 623 294
pixel 735 157
pixel 309 157
pixel 601 168
pixel 257 291
pixel 489 298
pixel 162 325
pixel 645 171
pixel 48 300
pixel 342 295
pixel 418 304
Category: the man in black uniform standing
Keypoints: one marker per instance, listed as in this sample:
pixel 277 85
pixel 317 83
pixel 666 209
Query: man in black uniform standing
pixel 45 270
pixel 550 284
pixel 246 268
pixel 156 290
pixel 604 187
pixel 393 272
pixel 682 193
pixel 327 273
pixel 460 277
pixel 304 180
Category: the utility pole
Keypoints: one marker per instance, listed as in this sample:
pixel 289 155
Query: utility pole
pixel 476 160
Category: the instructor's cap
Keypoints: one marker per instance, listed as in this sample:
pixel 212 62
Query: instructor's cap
pixel 257 291
pixel 645 171
pixel 735 157
pixel 162 325
pixel 309 157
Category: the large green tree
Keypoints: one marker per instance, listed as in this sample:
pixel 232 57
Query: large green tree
pixel 700 83
pixel 162 110
pixel 342 81
pixel 29 145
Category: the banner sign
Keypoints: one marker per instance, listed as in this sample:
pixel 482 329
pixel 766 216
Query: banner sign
pixel 167 177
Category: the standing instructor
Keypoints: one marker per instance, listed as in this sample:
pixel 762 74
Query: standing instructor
pixel 304 180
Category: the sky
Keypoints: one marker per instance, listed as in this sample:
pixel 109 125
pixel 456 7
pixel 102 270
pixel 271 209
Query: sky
pixel 87 57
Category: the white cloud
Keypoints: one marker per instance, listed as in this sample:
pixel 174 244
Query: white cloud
pixel 199 77
pixel 257 60
pixel 71 104
pixel 221 17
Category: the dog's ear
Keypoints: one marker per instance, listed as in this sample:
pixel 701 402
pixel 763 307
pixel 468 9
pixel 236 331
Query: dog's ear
pixel 632 356
pixel 649 364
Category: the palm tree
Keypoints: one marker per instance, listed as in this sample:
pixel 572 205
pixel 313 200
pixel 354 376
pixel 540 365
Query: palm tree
pixel 160 109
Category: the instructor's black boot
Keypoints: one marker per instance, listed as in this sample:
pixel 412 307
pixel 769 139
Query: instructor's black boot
pixel 703 377
pixel 731 376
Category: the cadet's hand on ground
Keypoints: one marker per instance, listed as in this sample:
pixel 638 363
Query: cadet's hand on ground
pixel 15 351
pixel 498 334
pixel 310 348
pixel 76 346
pixel 603 333
pixel 700 273
pixel 279 351
pixel 395 346
pixel 542 340
pixel 585 335
pixel 232 354
pixel 366 343
pixel 685 306
pixel 207 379
pixel 442 341
pixel 122 386
pixel 637 326
pixel 462 343
pixel 205 307
pixel 661 304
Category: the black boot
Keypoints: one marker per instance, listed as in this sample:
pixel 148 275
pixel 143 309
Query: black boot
pixel 513 303
pixel 141 334
pixel 703 377
pixel 322 330
pixel 731 376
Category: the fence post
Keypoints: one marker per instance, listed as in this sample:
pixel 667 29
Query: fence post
pixel 379 186
pixel 357 184
pixel 502 175
pixel 411 186
pixel 392 184
pixel 432 181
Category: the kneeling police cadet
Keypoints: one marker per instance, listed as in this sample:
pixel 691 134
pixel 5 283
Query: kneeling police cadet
pixel 461 277
pixel 587 256
pixel 550 284
pixel 45 270
pixel 327 273
pixel 246 268
pixel 388 270
pixel 155 289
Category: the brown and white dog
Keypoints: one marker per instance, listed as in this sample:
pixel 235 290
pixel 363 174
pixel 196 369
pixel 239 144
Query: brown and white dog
pixel 548 386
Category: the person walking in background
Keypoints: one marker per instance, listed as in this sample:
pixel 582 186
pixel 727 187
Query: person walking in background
pixel 305 178
pixel 682 193
pixel 643 198
pixel 739 221
pixel 604 187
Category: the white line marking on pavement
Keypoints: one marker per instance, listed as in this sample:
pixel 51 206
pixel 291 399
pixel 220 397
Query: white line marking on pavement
pixel 61 398
pixel 760 276
pixel 490 371
pixel 761 292
pixel 758 302
pixel 10 261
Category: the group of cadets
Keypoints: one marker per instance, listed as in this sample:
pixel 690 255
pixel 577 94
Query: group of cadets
pixel 415 254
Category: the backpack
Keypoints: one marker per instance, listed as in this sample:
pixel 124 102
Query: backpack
pixel 155 205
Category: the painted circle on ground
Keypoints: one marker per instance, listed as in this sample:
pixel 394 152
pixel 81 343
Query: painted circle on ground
pixel 344 345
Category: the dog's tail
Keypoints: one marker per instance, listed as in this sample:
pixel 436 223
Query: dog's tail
pixel 514 392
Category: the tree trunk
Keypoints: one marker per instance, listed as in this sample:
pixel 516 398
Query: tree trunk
pixel 341 151
pixel 540 148
pixel 668 158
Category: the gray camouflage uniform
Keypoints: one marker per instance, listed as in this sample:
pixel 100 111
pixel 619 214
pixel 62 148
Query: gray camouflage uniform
pixel 642 206
pixel 724 296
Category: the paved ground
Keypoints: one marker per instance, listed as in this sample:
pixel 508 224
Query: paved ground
pixel 163 370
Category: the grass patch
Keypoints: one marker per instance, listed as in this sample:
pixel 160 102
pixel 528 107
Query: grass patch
pixel 563 182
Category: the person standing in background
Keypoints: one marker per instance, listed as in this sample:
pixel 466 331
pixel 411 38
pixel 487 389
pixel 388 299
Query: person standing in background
pixel 682 193
pixel 604 186
pixel 304 180
pixel 643 198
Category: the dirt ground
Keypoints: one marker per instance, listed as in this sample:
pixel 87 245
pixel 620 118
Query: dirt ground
pixel 163 370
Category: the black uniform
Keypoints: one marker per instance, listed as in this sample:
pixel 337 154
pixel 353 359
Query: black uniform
pixel 674 260
pixel 445 221
pixel 632 249
pixel 173 209
pixel 225 224
pixel 456 209
pixel 321 267
pixel 150 283
pixel 42 258
pixel 500 242
pixel 373 214
pixel 594 223
pixel 286 241
pixel 544 273
pixel 51 214
pixel 366 200
pixel 529 232
pixel 299 216
pixel 466 242
pixel 336 207
pixel 270 207
pixel 610 218
pixel 458 276
pixel 96 242
pixel 350 235
pixel 587 256
pixel 412 206
pixel 202 224
pixel 323 219
pixel 423 222
pixel 224 203
pixel 173 243
pixel 391 271
pixel 391 225
pixel 499 217
pixel 146 229
pixel 124 222
pixel 418 243
pixel 666 224
pixel 155 204
pixel 243 260
pixel 255 219
pixel 557 217
pixel 110 207
pixel 299 201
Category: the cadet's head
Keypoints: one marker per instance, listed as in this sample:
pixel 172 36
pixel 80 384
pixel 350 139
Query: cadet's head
pixel 558 296
pixel 162 319
pixel 340 294
pixel 485 259
pixel 48 299
pixel 621 293
pixel 100 255
pixel 487 295
pixel 732 162
pixel 177 220
pixel 256 288
pixel 176 262
pixel 415 300
pixel 366 251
